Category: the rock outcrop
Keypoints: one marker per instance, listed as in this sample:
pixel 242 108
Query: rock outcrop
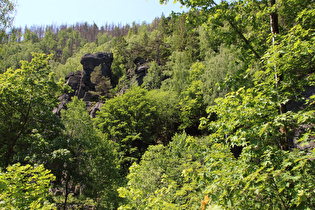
pixel 80 81
pixel 140 70
pixel 90 61
pixel 296 105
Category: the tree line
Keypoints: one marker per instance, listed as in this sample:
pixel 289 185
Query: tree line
pixel 87 31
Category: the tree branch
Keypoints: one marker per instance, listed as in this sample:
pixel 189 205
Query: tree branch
pixel 242 36
pixel 244 39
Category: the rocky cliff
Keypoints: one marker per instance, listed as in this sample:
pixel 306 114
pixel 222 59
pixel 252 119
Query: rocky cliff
pixel 81 84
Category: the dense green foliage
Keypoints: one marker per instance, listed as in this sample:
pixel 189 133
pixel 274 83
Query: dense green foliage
pixel 24 94
pixel 224 118
pixel 159 181
pixel 135 120
pixel 25 187
pixel 85 158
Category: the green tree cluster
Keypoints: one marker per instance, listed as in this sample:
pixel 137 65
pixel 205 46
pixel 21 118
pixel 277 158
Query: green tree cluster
pixel 83 161
pixel 253 113
pixel 27 98
pixel 25 187
pixel 136 120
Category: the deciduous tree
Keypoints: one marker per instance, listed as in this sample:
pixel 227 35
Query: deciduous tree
pixel 27 98
pixel 25 187
pixel 7 8
pixel 129 120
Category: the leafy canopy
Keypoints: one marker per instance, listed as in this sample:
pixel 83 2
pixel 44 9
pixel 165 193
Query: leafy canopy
pixel 27 98
pixel 25 187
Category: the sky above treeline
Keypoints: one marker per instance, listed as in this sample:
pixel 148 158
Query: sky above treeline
pixel 47 12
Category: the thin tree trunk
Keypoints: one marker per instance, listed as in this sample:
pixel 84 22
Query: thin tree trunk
pixel 274 23
pixel 66 195
pixel 274 27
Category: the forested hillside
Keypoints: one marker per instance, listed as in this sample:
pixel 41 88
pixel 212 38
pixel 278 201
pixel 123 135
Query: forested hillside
pixel 209 109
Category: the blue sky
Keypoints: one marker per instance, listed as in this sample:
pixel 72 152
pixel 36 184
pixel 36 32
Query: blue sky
pixel 46 12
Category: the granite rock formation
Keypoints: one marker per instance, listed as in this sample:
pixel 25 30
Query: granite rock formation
pixel 80 81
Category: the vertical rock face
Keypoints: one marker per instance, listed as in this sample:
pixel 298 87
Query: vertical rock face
pixel 140 70
pixel 80 81
pixel 89 62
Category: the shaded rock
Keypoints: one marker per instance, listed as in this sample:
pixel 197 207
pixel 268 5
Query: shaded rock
pixel 90 61
pixel 88 96
pixel 64 99
pixel 73 80
pixel 95 108
pixel 80 81
pixel 123 90
pixel 296 105
pixel 69 75
pixel 304 145
pixel 139 61
pixel 141 71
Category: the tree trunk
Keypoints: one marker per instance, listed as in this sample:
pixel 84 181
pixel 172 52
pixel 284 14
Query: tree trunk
pixel 274 23
pixel 274 27
pixel 66 194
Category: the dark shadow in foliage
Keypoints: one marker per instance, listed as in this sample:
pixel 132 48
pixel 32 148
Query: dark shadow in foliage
pixel 102 83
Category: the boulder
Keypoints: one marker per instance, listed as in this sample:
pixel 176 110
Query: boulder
pixel 296 105
pixel 141 71
pixel 73 80
pixel 95 108
pixel 90 61
pixel 139 61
